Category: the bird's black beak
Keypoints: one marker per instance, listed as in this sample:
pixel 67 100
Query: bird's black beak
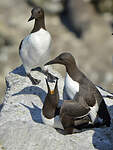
pixel 112 33
pixel 54 61
pixel 31 18
pixel 49 63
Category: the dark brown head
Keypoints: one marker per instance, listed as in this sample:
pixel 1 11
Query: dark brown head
pixel 51 101
pixel 37 13
pixel 65 59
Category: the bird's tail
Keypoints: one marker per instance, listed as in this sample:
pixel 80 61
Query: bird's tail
pixel 104 114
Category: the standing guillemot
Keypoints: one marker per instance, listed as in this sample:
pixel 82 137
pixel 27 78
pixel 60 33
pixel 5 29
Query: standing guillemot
pixel 76 83
pixel 34 49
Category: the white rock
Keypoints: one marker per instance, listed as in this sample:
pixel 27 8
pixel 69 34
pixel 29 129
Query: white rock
pixel 21 125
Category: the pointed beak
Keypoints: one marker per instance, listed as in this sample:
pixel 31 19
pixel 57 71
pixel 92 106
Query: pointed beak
pixel 31 18
pixel 49 63
pixel 54 61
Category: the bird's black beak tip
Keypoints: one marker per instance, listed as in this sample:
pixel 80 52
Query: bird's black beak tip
pixel 31 18
pixel 57 78
pixel 46 64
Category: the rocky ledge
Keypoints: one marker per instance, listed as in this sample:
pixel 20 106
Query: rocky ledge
pixel 21 126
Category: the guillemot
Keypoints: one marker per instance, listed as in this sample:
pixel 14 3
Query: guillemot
pixel 50 111
pixel 74 115
pixel 34 49
pixel 69 116
pixel 77 84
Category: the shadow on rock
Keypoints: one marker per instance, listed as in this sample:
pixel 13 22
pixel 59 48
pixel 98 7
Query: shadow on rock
pixel 35 112
pixel 1 106
pixel 34 90
pixel 19 70
pixel 103 137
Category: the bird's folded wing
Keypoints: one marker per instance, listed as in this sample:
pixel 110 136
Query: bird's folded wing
pixel 74 109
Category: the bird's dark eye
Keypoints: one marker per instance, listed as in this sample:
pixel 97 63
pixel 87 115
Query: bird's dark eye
pixel 60 58
pixel 39 12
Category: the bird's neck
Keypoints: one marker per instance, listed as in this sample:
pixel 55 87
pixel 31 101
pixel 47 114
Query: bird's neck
pixel 73 71
pixel 40 23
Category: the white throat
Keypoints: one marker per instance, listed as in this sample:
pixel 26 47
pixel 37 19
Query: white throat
pixel 71 86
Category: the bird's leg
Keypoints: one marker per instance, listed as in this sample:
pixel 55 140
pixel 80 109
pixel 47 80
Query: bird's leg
pixel 69 130
pixel 68 124
pixel 50 77
pixel 33 80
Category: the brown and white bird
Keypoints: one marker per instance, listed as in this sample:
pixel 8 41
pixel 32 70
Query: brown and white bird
pixel 50 111
pixel 77 85
pixel 69 116
pixel 34 49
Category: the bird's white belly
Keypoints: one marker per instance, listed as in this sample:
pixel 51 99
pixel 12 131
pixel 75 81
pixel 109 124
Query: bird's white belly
pixel 71 86
pixel 54 122
pixel 36 49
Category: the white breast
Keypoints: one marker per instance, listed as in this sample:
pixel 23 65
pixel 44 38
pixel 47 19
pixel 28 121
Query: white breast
pixel 54 122
pixel 35 49
pixel 93 112
pixel 71 86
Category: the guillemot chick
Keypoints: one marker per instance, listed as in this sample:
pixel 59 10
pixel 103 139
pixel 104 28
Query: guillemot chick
pixel 50 110
pixel 69 116
pixel 76 83
pixel 34 49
